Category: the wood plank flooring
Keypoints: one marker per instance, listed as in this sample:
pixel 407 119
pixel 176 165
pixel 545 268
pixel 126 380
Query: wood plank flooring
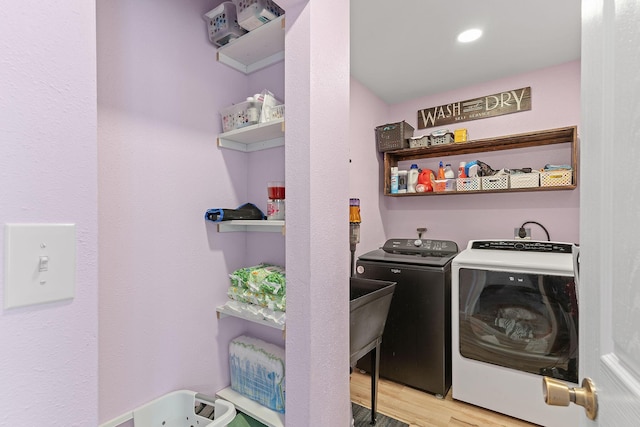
pixel 420 409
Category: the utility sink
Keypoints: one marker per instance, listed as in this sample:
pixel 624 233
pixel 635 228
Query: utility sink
pixel 369 303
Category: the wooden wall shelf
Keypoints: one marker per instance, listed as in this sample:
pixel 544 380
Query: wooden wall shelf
pixel 566 135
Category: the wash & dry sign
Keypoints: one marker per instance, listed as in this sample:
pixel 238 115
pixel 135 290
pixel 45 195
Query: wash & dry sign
pixel 512 101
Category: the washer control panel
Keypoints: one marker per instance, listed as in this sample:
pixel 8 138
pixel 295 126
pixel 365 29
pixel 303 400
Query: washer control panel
pixel 422 247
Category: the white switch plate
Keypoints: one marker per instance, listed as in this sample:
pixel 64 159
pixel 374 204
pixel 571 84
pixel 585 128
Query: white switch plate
pixel 39 263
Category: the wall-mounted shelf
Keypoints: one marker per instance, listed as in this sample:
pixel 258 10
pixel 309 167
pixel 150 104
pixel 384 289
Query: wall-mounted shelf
pixel 567 135
pixel 223 311
pixel 254 137
pixel 256 49
pixel 274 226
pixel 252 408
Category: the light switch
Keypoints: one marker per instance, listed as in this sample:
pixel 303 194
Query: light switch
pixel 39 263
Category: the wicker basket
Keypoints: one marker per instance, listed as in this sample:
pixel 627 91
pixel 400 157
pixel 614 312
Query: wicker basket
pixel 393 136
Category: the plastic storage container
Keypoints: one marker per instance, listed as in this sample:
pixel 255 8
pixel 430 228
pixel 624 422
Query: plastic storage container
pixel 468 184
pixel 183 408
pixel 495 182
pixel 441 137
pixel 556 178
pixel 240 115
pixel 222 23
pixel 419 141
pixel 255 13
pixel 525 180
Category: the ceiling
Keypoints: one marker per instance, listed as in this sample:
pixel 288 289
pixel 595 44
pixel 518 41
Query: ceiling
pixel 406 49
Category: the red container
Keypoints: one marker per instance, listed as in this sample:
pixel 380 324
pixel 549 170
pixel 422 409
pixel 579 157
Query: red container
pixel 275 190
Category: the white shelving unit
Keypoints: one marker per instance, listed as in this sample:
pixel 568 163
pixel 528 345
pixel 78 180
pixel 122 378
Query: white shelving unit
pixel 253 51
pixel 251 408
pixel 274 226
pixel 224 312
pixel 257 49
pixel 255 137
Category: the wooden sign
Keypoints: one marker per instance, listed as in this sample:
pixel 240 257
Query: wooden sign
pixel 512 101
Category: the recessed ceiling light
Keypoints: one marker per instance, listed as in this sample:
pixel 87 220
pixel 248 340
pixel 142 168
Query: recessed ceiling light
pixel 469 35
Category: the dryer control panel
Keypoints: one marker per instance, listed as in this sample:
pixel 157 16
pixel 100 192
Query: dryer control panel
pixel 522 246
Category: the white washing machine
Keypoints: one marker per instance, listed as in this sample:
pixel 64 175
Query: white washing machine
pixel 514 321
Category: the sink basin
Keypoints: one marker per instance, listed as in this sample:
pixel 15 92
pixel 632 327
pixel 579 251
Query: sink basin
pixel 369 303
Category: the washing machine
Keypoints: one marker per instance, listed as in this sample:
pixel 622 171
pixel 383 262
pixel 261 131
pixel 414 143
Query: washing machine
pixel 416 342
pixel 514 321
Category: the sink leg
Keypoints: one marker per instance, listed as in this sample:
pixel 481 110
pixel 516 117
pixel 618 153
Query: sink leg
pixel 375 368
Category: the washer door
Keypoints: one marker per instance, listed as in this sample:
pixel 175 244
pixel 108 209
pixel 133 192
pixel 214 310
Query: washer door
pixel 523 321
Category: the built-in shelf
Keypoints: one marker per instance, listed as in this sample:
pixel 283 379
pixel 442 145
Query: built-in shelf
pixel 256 49
pixel 223 311
pixel 254 409
pixel 566 135
pixel 274 226
pixel 255 137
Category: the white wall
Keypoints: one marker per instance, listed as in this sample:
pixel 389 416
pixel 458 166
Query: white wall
pixel 555 103
pixel 48 173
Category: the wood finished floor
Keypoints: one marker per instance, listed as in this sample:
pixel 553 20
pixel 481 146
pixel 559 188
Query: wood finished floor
pixel 420 409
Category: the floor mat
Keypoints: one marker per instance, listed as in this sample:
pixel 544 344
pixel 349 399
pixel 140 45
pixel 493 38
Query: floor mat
pixel 362 418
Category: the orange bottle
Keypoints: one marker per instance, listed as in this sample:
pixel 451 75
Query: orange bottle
pixel 461 172
pixel 441 171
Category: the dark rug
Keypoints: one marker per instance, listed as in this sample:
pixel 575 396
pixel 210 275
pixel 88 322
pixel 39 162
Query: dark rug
pixel 362 418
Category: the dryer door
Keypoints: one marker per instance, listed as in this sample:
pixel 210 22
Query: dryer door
pixel 522 321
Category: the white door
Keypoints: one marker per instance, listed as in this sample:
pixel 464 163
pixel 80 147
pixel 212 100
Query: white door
pixel 610 209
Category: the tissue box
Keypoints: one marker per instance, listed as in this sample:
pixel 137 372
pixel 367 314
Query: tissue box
pixel 257 371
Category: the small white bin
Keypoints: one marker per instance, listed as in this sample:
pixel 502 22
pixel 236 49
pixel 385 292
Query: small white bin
pixel 255 13
pixel 525 180
pixel 556 178
pixel 222 23
pixel 178 409
pixel 495 182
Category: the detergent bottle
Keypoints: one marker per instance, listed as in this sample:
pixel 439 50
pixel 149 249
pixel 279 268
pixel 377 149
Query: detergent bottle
pixel 412 179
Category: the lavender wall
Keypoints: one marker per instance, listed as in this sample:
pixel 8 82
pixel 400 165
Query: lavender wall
pixel 49 352
pixel 317 87
pixel 555 103
pixel 163 269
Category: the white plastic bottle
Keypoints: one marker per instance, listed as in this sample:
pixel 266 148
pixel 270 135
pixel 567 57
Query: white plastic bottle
pixel 252 112
pixel 448 172
pixel 412 180
pixel 394 180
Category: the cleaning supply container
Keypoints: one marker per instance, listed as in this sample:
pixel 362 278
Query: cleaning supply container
pixel 181 408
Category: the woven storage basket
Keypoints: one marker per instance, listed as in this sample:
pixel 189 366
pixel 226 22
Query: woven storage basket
pixel 556 178
pixel 495 182
pixel 524 180
pixel 393 136
pixel 468 184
